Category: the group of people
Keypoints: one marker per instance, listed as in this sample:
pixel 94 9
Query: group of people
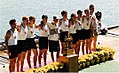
pixel 82 28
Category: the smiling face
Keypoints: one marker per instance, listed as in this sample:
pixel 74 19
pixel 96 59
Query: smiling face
pixel 25 21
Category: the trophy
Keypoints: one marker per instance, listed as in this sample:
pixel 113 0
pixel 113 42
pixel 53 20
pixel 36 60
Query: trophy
pixel 68 46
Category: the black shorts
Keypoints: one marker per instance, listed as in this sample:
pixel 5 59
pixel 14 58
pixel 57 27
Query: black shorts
pixel 31 43
pixel 74 36
pixel 63 35
pixel 87 34
pixel 54 46
pixel 80 34
pixel 13 49
pixel 43 43
pixel 22 46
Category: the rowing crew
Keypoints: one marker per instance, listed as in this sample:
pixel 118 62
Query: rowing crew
pixel 82 28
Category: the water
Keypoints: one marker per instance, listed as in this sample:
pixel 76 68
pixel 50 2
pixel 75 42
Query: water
pixel 17 8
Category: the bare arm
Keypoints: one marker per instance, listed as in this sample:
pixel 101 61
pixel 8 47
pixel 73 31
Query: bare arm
pixel 7 36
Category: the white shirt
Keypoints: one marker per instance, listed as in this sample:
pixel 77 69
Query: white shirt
pixel 44 31
pixel 22 34
pixel 79 27
pixel 30 31
pixel 87 23
pixel 64 25
pixel 55 36
pixel 72 28
pixel 12 40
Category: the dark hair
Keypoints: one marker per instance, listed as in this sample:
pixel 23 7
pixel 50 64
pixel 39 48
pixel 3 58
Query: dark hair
pixel 72 15
pixel 79 12
pixel 12 21
pixel 44 16
pixel 63 12
pixel 54 17
pixel 31 17
pixel 91 6
pixel 24 18
pixel 86 10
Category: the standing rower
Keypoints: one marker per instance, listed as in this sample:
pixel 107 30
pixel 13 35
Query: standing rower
pixel 72 31
pixel 87 29
pixel 31 45
pixel 21 37
pixel 94 31
pixel 80 32
pixel 11 45
pixel 43 40
pixel 54 38
pixel 63 27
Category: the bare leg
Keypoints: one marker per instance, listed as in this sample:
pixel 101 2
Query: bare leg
pixel 28 58
pixel 90 43
pixel 22 60
pixel 18 61
pixel 40 56
pixel 45 56
pixel 77 48
pixel 83 44
pixel 62 44
pixel 35 57
pixel 94 43
pixel 12 65
pixel 57 55
pixel 52 56
pixel 87 45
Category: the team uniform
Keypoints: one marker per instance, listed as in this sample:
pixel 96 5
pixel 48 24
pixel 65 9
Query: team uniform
pixel 79 30
pixel 53 38
pixel 87 28
pixel 64 28
pixel 30 31
pixel 43 37
pixel 12 46
pixel 72 31
pixel 21 39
